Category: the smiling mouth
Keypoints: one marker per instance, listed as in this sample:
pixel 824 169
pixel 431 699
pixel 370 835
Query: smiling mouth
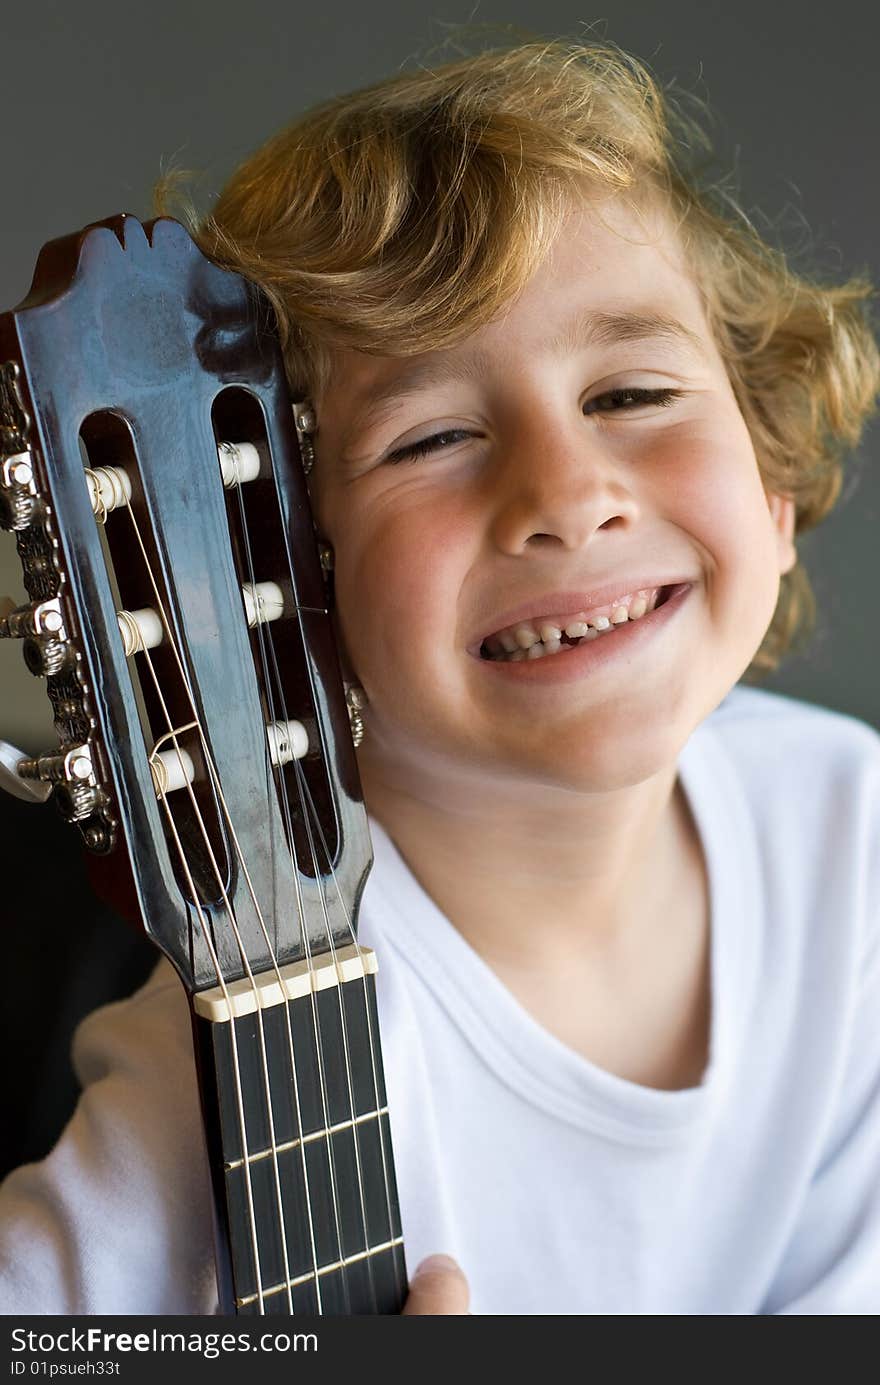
pixel 546 637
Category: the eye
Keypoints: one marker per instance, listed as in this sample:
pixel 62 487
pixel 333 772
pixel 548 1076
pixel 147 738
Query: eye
pixel 436 442
pixel 619 399
pixel 633 398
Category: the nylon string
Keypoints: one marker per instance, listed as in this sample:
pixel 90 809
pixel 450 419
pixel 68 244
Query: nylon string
pixel 172 734
pixel 264 635
pixel 310 815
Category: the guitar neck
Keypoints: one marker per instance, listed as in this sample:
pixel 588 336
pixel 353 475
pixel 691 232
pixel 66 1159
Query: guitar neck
pixel 299 1142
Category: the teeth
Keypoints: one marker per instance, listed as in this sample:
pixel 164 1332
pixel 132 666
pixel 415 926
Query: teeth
pixel 638 608
pixel 527 642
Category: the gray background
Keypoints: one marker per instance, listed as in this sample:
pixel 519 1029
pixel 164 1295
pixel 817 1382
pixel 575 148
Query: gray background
pixel 95 96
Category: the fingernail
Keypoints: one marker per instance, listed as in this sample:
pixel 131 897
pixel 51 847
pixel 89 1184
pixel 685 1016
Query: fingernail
pixel 437 1262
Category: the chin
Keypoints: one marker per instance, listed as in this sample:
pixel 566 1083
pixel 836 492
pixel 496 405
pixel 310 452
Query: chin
pixel 600 764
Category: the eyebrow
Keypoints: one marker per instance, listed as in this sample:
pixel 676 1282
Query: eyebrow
pixel 616 328
pixel 590 328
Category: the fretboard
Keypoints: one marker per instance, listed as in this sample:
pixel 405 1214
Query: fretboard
pixel 300 1151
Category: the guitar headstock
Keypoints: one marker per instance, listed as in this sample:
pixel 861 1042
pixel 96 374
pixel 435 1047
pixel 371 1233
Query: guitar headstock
pixel 151 472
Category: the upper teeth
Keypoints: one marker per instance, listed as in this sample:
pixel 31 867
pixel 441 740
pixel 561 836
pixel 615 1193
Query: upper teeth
pixel 535 638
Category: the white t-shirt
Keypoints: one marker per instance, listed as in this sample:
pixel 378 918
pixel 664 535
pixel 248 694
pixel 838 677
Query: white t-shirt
pixel 559 1187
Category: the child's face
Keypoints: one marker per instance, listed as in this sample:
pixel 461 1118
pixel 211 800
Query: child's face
pixel 539 497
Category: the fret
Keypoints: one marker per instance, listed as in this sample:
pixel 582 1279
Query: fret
pixel 313 1135
pixel 334 1203
pixel 317 1029
pixel 322 1270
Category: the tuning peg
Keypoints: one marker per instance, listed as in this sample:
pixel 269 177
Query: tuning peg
pixel 35 618
pixel 41 625
pixel 18 492
pixel 71 773
pixel 30 790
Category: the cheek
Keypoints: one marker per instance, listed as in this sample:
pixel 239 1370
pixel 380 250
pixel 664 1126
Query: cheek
pixel 398 579
pixel 720 495
pixel 725 508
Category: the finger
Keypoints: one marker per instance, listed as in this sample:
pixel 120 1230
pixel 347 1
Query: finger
pixel 438 1286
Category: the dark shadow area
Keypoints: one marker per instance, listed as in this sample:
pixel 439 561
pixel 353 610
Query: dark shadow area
pixel 65 954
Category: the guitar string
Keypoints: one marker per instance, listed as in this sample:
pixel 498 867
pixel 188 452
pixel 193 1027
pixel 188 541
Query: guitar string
pixel 375 1063
pixel 205 929
pixel 386 1155
pixel 233 922
pixel 270 684
pixel 261 632
pixel 215 778
pixel 319 1044
pixel 285 531
pixel 310 814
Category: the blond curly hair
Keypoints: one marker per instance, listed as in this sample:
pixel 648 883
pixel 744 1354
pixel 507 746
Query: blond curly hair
pixel 400 218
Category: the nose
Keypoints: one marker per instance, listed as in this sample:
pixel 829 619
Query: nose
pixel 559 481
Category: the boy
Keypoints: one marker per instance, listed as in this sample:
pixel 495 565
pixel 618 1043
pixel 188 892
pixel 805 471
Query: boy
pixel 569 420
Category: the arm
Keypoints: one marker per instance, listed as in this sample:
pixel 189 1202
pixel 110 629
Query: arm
pixel 117 1219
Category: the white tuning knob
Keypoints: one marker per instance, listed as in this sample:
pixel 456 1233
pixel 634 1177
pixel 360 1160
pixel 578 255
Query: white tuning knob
pixel 288 740
pixel 139 630
pixel 171 769
pixel 239 461
pixel 263 601
pixel 109 489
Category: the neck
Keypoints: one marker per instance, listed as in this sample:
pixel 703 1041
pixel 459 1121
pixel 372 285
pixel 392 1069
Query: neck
pixel 589 866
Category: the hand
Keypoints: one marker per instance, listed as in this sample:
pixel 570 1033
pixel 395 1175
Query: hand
pixel 438 1286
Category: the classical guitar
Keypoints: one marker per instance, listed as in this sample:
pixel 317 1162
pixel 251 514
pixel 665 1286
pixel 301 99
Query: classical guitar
pixel 152 469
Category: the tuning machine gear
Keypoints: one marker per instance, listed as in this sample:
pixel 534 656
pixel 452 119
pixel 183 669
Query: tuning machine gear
pixel 304 419
pixel 71 773
pixel 41 625
pixel 18 492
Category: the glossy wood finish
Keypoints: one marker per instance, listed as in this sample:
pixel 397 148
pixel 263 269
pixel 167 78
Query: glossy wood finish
pixel 135 324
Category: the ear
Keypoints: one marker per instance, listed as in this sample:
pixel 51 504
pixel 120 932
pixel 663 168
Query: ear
pixel 782 511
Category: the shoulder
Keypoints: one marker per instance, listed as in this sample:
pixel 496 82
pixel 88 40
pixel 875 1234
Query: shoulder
pixel 147 1034
pixel 771 734
pixel 797 790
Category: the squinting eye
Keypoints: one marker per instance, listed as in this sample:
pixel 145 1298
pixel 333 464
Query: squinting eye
pixel 435 443
pixel 621 400
pixel 632 398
